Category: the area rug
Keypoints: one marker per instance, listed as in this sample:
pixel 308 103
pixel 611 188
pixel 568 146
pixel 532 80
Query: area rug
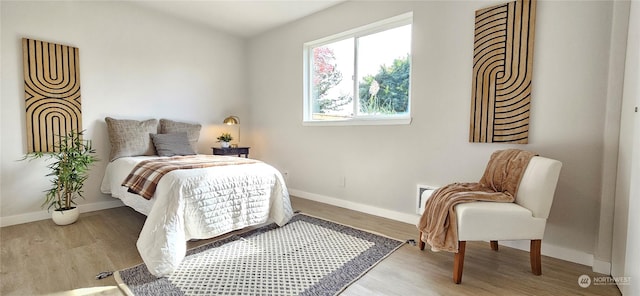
pixel 307 256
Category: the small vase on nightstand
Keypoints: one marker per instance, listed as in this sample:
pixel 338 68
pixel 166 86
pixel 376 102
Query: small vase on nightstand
pixel 224 144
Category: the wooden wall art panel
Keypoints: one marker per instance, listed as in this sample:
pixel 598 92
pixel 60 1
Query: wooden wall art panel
pixel 52 92
pixel 502 70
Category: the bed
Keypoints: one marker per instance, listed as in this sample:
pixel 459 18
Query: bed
pixel 198 203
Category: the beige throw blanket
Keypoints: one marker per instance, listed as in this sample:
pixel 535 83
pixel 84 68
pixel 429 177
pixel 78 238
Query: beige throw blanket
pixel 499 183
pixel 145 176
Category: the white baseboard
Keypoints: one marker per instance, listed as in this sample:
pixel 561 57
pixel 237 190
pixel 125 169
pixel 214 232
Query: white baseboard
pixel 550 250
pixel 554 251
pixel 43 215
pixel 393 215
pixel 603 267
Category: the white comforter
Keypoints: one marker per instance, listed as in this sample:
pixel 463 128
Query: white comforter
pixel 199 203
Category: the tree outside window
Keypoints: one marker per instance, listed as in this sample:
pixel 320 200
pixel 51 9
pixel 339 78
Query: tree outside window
pixel 373 66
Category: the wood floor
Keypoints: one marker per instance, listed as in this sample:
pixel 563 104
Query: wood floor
pixel 41 258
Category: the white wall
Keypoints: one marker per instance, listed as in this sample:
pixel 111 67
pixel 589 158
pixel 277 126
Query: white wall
pixel 134 63
pixel 626 231
pixel 1 67
pixel 383 164
pixel 618 47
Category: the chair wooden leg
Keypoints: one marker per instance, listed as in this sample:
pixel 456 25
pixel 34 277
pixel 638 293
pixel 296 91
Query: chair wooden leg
pixel 420 242
pixel 458 262
pixel 536 264
pixel 494 245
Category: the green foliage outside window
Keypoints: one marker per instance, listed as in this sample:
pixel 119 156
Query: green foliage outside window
pixel 388 91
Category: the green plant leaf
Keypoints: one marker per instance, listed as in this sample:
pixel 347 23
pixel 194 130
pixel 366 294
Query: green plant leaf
pixel 70 164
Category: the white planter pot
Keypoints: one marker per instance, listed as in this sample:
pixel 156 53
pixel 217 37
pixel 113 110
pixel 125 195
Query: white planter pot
pixel 224 144
pixel 65 217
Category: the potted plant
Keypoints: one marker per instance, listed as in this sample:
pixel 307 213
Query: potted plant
pixel 71 157
pixel 224 140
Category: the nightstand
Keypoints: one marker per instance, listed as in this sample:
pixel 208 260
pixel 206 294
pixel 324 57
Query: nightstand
pixel 231 151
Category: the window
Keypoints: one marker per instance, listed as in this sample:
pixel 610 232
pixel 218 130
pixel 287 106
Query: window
pixel 361 76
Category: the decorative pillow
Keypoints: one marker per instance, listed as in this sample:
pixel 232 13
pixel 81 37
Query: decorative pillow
pixel 172 144
pixel 193 130
pixel 131 137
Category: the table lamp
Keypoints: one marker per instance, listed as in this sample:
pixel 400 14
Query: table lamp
pixel 233 120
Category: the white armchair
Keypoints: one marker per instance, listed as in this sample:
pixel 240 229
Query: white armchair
pixel 524 219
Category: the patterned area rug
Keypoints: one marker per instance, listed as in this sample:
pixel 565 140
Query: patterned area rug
pixel 307 256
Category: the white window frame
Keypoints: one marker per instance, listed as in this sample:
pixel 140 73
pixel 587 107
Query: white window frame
pixel 383 25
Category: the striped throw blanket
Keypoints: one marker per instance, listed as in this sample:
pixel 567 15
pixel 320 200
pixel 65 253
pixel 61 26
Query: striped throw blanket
pixel 145 176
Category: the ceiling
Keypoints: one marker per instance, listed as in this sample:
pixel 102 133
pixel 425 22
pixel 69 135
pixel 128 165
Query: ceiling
pixel 239 17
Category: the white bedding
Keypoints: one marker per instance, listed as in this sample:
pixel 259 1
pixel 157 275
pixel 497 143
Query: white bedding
pixel 200 204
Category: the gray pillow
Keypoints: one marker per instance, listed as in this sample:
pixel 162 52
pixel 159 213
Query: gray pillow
pixel 192 129
pixel 172 144
pixel 130 137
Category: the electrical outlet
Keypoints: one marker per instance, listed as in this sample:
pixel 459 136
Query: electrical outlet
pixel 285 174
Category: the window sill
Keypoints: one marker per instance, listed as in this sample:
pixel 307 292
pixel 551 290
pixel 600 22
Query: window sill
pixel 359 121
